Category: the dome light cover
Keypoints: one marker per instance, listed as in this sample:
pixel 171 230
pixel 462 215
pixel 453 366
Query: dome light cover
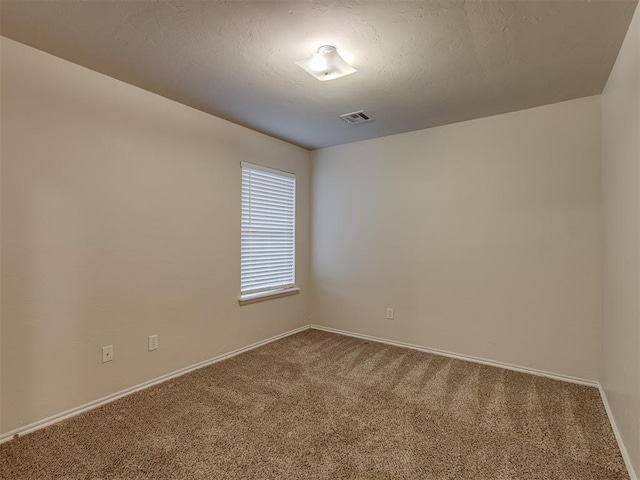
pixel 326 64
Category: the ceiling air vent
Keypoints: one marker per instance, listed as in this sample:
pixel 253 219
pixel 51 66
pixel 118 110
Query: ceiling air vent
pixel 356 117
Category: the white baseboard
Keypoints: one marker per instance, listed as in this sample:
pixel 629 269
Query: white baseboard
pixel 616 432
pixel 128 391
pixel 468 358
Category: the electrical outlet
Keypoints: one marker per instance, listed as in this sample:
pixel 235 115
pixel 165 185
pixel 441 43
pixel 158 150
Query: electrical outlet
pixel 389 313
pixel 107 353
pixel 153 342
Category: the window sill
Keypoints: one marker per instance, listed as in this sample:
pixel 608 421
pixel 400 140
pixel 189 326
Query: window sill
pixel 261 297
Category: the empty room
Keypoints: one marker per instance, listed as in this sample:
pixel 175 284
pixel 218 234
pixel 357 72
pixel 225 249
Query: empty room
pixel 320 239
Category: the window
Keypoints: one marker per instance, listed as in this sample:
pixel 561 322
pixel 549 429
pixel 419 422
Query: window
pixel 268 233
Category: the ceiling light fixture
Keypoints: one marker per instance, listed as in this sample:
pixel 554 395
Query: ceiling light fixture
pixel 326 64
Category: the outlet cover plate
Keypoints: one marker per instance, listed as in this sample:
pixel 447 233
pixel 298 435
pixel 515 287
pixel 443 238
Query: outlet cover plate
pixel 153 342
pixel 107 353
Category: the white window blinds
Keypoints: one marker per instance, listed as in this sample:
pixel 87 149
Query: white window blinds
pixel 268 230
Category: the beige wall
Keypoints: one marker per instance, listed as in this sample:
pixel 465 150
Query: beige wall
pixel 621 272
pixel 121 216
pixel 0 243
pixel 484 236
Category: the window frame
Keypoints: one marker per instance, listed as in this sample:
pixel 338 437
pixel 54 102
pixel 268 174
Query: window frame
pixel 277 291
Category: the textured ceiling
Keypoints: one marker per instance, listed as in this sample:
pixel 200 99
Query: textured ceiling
pixel 420 63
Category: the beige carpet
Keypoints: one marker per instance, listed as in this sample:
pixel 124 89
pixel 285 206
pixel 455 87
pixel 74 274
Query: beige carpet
pixel 324 406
